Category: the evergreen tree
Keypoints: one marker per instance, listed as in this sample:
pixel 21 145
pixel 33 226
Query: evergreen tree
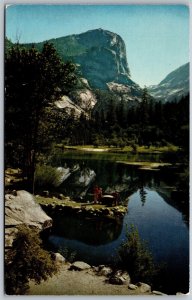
pixel 122 114
pixel 144 108
pixel 32 80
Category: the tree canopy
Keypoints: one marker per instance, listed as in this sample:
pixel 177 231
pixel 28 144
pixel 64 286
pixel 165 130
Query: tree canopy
pixel 33 80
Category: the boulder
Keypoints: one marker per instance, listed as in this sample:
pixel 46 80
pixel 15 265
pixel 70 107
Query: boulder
pixel 132 286
pixel 158 293
pixel 79 265
pixel 120 278
pixel 58 257
pixel 69 106
pixel 63 173
pixel 104 271
pixel 143 287
pixel 61 197
pixel 84 98
pixel 21 208
pixel 179 294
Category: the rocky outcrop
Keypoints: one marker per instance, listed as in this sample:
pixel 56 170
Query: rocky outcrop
pixel 79 265
pixel 69 106
pixel 78 102
pixel 58 258
pixel 84 98
pixel 129 92
pixel 103 270
pixel 101 55
pixel 144 288
pixel 120 278
pixel 85 210
pixel 21 208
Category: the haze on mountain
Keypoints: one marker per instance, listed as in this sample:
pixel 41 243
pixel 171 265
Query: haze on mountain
pixel 173 87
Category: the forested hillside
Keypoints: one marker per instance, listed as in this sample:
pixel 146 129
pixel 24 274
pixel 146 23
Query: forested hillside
pixel 35 80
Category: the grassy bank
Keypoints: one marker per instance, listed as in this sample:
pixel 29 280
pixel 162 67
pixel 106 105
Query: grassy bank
pixel 127 149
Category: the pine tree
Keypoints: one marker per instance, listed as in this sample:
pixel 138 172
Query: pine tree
pixel 33 80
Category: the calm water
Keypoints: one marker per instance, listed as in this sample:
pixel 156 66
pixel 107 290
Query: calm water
pixel 150 209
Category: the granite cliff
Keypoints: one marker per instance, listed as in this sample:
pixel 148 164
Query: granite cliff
pixel 102 59
pixel 101 55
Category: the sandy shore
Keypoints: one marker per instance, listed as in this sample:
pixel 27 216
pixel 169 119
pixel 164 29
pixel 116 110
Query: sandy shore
pixel 84 282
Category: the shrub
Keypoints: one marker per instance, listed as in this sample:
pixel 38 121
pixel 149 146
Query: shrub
pixel 27 260
pixel 135 257
pixel 46 176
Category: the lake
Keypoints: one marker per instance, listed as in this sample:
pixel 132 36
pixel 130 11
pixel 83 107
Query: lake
pixel 151 208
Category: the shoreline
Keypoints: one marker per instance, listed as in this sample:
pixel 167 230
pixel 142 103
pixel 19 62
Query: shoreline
pixel 127 149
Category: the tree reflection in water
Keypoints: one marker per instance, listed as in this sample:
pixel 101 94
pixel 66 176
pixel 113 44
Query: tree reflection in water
pixel 90 231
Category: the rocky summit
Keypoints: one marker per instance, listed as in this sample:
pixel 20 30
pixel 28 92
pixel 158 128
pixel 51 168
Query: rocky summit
pixel 100 54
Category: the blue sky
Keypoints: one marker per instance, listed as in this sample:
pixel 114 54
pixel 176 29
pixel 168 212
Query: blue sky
pixel 156 36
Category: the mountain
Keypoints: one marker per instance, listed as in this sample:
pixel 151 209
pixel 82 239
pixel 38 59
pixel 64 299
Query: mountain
pixel 101 56
pixel 173 87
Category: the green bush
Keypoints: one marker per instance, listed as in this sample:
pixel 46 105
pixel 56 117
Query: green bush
pixel 27 260
pixel 46 176
pixel 134 256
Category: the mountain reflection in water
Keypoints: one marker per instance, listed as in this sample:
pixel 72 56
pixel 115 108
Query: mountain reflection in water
pixel 150 208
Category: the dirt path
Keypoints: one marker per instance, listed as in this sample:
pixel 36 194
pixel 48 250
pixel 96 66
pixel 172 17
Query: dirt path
pixel 84 282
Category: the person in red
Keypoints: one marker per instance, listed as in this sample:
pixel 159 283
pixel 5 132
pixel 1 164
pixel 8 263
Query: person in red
pixel 116 197
pixel 96 193
pixel 100 194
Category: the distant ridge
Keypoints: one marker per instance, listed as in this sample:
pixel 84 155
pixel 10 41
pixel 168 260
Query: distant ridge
pixel 173 86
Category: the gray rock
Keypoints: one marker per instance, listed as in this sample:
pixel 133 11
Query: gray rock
pixel 120 278
pixel 79 265
pixel 179 294
pixel 63 174
pixel 96 269
pixel 158 293
pixel 101 266
pixel 23 209
pixel 143 287
pixel 61 197
pixel 105 271
pixel 58 257
pixel 84 98
pixel 132 286
pixel 117 280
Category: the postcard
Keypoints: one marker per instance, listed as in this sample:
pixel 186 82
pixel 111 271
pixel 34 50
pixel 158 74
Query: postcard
pixel 96 149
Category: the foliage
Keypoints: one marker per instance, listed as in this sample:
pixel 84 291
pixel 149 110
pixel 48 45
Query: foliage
pixel 33 80
pixel 27 260
pixel 148 122
pixel 33 123
pixel 134 256
pixel 46 176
